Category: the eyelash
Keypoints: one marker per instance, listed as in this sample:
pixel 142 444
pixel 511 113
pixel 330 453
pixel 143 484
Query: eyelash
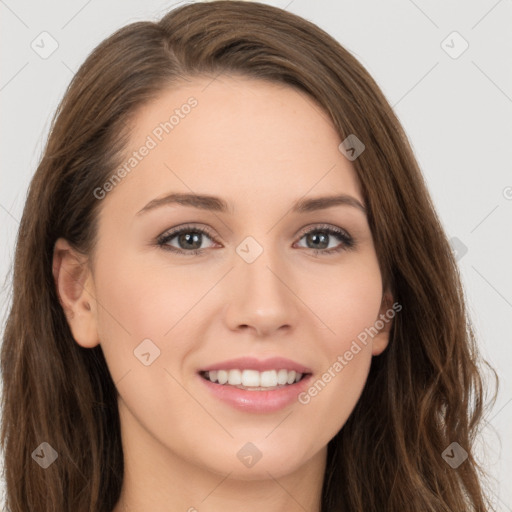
pixel 347 241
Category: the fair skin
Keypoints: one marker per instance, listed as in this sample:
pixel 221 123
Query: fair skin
pixel 260 147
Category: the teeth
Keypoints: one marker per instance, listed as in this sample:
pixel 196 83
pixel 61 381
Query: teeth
pixel 222 376
pixel 282 377
pixel 268 379
pixel 254 378
pixel 250 378
pixel 234 377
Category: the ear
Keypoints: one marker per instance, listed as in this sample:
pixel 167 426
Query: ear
pixel 75 289
pixel 383 323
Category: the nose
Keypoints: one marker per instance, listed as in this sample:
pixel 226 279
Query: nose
pixel 262 299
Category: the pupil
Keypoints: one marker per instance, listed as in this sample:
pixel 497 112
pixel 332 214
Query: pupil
pixel 316 237
pixel 187 238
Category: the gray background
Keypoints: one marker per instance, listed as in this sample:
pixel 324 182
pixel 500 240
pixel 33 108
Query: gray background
pixel 456 110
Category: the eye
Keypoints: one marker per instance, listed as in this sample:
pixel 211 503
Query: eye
pixel 319 239
pixel 189 240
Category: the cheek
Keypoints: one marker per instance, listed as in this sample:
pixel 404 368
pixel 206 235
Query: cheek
pixel 137 302
pixel 347 301
pixel 146 298
pixel 349 308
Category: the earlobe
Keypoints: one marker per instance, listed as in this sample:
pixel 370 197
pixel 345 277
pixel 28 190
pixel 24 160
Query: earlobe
pixel 384 323
pixel 75 289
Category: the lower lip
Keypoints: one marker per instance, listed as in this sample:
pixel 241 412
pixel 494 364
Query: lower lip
pixel 257 401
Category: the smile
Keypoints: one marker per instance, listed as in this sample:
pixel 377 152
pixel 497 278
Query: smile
pixel 254 380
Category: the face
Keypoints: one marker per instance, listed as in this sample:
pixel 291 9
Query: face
pixel 257 283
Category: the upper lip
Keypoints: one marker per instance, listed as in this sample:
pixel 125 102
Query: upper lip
pixel 252 363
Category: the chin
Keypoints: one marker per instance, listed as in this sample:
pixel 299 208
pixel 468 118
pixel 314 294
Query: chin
pixel 250 462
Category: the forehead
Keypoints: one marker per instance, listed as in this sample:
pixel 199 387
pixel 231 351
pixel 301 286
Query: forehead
pixel 234 137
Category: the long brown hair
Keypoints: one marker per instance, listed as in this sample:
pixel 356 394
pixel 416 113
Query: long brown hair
pixel 423 393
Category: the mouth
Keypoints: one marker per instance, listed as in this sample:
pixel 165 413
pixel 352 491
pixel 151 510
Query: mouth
pixel 253 385
pixel 254 380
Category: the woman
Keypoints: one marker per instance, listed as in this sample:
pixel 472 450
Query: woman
pixel 310 350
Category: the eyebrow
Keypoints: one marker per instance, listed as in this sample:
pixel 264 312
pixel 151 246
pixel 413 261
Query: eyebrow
pixel 216 204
